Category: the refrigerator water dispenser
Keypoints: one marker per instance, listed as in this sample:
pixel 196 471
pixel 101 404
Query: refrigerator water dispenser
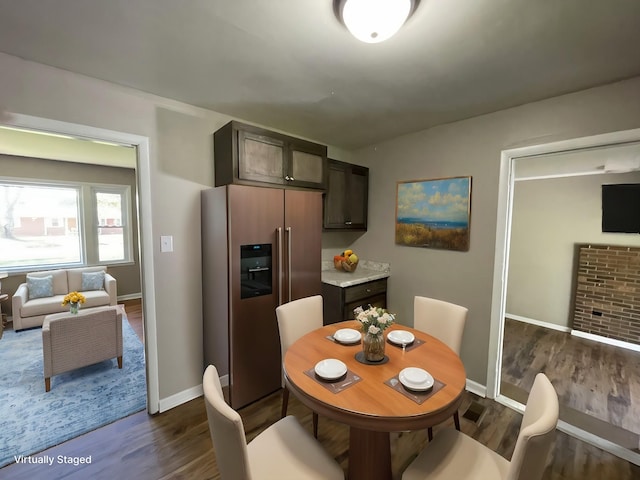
pixel 255 270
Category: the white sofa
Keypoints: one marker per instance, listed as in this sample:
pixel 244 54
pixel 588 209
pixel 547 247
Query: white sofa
pixel 30 312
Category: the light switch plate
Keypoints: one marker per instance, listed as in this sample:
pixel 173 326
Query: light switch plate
pixel 166 243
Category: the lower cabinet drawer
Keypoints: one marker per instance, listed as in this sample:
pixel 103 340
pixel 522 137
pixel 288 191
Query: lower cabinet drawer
pixel 338 303
pixel 365 290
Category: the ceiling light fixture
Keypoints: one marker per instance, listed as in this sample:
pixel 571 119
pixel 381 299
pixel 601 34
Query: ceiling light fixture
pixel 373 21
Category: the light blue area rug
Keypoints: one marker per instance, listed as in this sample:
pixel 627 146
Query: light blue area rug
pixel 82 400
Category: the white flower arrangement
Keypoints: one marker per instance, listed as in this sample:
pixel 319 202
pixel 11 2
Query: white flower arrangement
pixel 374 320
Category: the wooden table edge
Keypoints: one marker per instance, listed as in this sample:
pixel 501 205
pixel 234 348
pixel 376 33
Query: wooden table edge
pixel 376 423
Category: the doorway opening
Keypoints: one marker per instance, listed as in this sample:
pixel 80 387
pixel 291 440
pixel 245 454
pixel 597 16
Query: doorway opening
pixel 143 208
pixel 530 308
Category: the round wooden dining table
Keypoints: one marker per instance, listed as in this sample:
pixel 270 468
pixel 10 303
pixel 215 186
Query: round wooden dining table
pixel 371 407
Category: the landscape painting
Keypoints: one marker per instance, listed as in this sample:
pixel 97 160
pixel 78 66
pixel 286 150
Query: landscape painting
pixel 434 213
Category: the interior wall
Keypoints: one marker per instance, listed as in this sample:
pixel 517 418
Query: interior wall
pixel 549 217
pixel 473 147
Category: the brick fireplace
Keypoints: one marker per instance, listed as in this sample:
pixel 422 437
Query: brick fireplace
pixel 607 292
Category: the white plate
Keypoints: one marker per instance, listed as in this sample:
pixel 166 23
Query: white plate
pixel 416 379
pixel 347 335
pixel 400 337
pixel 330 368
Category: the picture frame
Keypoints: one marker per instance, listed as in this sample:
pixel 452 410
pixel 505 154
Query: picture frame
pixel 434 213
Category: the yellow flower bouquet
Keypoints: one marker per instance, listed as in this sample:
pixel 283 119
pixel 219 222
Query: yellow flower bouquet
pixel 74 299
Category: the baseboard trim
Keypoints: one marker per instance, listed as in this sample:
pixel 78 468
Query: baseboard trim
pixel 179 398
pixel 608 341
pixel 580 434
pixel 187 395
pixel 539 323
pixel 476 388
pixel 129 296
pixel 599 442
pixel 510 402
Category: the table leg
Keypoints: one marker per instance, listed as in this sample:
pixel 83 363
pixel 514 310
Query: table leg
pixel 369 455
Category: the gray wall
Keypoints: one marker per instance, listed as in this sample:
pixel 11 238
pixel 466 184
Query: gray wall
pixel 473 147
pixel 549 217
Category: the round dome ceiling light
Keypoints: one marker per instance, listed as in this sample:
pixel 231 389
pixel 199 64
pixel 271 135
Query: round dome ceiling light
pixel 373 21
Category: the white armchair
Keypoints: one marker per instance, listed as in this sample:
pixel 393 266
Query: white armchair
pixel 71 341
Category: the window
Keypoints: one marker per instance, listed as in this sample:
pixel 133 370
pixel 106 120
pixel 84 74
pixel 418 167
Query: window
pixel 48 225
pixel 109 208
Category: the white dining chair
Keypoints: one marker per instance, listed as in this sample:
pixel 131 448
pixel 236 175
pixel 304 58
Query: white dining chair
pixel 295 319
pixel 445 321
pixel 454 455
pixel 283 450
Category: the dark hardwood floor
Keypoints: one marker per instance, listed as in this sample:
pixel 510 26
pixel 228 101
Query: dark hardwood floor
pixel 176 444
pixel 598 384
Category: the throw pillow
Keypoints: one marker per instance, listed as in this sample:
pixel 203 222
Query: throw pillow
pixel 92 281
pixel 40 287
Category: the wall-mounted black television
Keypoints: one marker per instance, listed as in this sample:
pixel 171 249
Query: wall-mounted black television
pixel 621 208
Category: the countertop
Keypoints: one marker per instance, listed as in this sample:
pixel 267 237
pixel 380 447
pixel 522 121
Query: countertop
pixel 367 271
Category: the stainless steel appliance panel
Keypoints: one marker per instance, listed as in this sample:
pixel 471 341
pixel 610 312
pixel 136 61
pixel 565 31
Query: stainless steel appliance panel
pixel 255 214
pixel 241 331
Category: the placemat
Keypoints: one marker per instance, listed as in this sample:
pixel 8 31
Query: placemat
pixel 418 397
pixel 416 343
pixel 335 386
pixel 330 337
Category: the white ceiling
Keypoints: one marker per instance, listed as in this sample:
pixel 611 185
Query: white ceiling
pixel 291 65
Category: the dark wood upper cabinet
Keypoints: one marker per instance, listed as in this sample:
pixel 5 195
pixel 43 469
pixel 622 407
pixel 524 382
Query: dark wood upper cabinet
pixel 347 198
pixel 249 155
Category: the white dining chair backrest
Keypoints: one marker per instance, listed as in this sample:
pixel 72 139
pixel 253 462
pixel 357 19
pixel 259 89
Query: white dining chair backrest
pixel 454 455
pixel 226 429
pixel 443 320
pixel 282 450
pixel 537 432
pixel 297 318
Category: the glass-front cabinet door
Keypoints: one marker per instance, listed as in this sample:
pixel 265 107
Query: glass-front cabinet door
pixel 260 158
pixel 307 166
pixel 249 155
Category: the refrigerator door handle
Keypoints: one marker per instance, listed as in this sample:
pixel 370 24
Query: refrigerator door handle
pixel 279 230
pixel 289 231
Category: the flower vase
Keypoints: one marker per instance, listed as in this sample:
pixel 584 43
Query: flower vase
pixel 373 347
pixel 73 307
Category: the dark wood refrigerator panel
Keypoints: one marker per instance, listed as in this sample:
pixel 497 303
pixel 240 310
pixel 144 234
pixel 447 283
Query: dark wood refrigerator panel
pixel 255 214
pixel 303 227
pixel 241 334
